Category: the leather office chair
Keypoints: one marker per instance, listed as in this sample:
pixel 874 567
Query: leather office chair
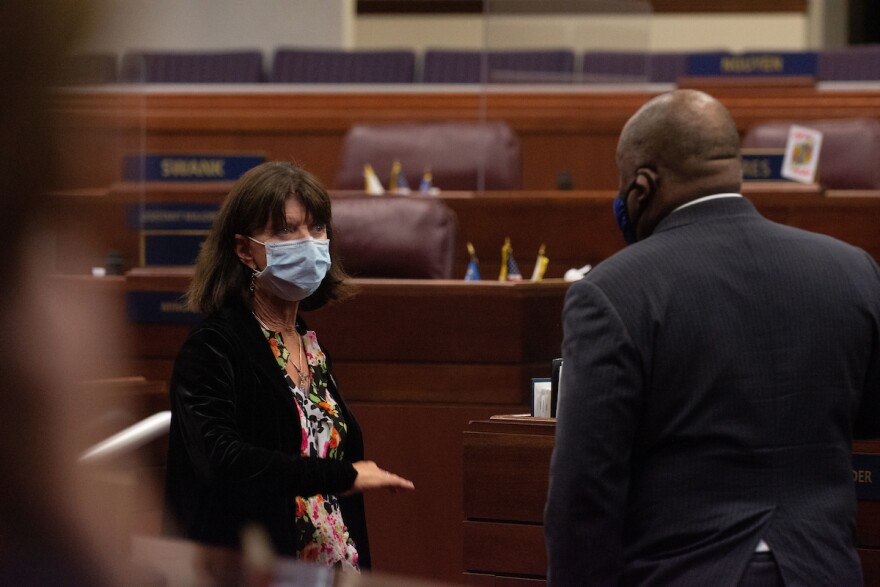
pixel 526 66
pixel 849 154
pixel 667 67
pixel 337 66
pixel 461 155
pixel 857 63
pixel 636 66
pixel 192 68
pixel 615 67
pixel 394 236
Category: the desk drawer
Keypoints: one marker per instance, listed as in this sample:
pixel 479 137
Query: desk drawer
pixel 510 549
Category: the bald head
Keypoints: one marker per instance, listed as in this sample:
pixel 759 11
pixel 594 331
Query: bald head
pixel 686 135
pixel 678 147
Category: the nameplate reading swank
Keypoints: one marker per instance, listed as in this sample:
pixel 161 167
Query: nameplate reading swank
pixel 187 167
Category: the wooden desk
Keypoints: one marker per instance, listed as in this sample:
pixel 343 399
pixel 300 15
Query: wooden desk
pixel 506 470
pixel 424 341
pixel 570 128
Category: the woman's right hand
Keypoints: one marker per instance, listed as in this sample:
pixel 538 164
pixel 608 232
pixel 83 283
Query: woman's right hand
pixel 370 476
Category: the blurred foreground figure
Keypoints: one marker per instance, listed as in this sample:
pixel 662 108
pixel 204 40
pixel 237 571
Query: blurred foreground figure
pixel 715 372
pixel 51 530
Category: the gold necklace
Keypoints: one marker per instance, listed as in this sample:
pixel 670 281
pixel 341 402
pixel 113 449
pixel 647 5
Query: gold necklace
pixel 303 377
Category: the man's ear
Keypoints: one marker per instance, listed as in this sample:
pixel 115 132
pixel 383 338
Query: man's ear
pixel 645 184
pixel 243 251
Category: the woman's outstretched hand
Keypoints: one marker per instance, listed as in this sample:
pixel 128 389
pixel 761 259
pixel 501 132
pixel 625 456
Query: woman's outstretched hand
pixel 370 476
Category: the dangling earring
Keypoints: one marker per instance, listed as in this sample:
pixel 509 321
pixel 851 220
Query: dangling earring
pixel 253 280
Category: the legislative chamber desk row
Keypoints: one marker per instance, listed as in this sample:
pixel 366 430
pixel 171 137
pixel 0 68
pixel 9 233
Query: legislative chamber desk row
pixel 567 128
pixel 577 227
pixel 506 465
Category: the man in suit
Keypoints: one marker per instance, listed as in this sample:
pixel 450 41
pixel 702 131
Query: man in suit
pixel 714 374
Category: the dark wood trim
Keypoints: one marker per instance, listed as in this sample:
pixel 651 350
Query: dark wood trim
pixel 419 6
pixel 391 7
pixel 201 113
pixel 730 6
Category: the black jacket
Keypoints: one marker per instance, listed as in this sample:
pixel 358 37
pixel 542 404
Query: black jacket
pixel 233 455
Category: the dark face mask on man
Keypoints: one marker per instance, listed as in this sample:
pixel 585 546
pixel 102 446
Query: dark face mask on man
pixel 626 224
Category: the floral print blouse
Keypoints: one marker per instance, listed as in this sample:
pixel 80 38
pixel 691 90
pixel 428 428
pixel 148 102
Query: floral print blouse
pixel 321 533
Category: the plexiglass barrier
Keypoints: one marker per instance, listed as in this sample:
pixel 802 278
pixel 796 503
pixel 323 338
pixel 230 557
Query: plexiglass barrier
pixel 151 140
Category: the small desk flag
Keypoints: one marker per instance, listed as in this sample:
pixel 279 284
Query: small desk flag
pixel 540 265
pixel 397 183
pixel 427 182
pixel 509 268
pixel 473 268
pixel 395 172
pixel 372 185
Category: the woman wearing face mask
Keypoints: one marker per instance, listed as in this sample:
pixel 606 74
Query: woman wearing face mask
pixel 259 432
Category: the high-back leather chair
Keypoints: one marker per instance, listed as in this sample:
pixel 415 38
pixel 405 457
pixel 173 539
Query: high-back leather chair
pixel 315 66
pixel 850 149
pixel 615 67
pixel 192 67
pixel 460 155
pixel 637 66
pixel 394 236
pixel 856 63
pixel 443 66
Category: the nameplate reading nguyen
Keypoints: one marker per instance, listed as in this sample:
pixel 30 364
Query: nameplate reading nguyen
pixel 801 64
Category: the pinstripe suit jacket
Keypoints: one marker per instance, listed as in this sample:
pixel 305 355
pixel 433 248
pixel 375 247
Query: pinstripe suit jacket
pixel 714 375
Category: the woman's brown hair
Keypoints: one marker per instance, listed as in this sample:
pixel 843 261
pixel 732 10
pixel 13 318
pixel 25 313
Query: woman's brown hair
pixel 258 197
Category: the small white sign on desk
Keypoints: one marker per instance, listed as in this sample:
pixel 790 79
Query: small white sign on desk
pixel 802 154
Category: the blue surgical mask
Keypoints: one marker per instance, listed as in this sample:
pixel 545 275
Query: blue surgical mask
pixel 294 269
